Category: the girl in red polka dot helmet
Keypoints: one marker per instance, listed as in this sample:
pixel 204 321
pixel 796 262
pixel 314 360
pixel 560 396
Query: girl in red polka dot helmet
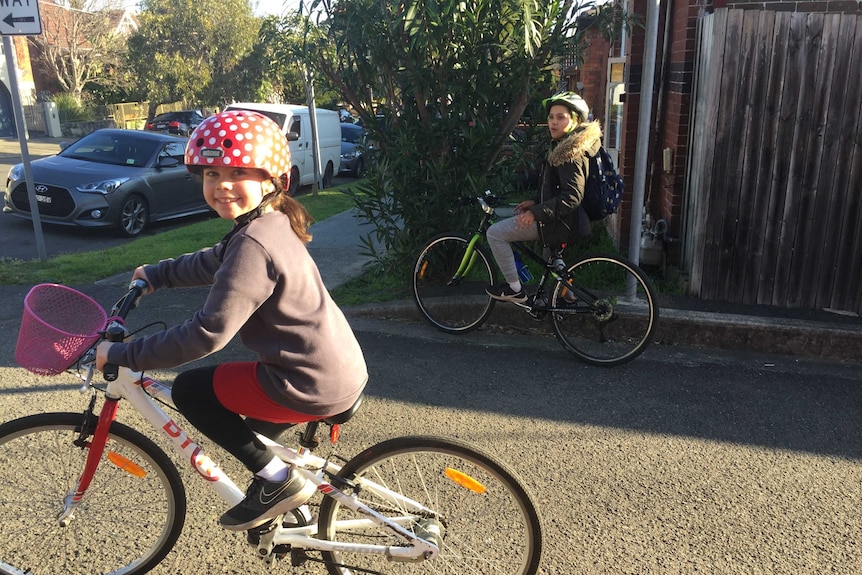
pixel 242 140
pixel 239 138
pixel 266 292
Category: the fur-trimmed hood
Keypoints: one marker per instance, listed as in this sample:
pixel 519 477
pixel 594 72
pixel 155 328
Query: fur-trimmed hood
pixel 573 146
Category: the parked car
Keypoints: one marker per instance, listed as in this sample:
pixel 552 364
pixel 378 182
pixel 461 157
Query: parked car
pixel 181 123
pixel 124 179
pixel 353 144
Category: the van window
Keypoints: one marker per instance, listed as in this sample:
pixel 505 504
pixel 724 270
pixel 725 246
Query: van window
pixel 295 126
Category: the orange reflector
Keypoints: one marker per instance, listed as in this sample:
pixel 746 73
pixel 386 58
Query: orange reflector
pixel 465 480
pixel 126 464
pixel 422 270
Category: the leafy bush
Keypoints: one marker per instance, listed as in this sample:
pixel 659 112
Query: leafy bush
pixel 70 109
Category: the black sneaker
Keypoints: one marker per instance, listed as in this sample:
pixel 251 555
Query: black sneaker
pixel 503 292
pixel 265 500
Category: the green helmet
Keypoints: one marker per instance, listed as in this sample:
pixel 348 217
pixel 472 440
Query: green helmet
pixel 570 100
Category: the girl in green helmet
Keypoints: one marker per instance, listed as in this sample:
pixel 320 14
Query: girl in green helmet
pixel 555 215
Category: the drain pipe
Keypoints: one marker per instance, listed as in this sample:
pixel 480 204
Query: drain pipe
pixel 643 139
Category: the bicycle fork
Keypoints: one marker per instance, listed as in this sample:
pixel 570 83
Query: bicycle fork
pixel 95 448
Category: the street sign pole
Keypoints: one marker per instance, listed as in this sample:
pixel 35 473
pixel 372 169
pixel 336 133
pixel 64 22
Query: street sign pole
pixel 23 19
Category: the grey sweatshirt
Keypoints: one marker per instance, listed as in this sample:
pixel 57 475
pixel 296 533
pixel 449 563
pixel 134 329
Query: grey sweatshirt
pixel 268 290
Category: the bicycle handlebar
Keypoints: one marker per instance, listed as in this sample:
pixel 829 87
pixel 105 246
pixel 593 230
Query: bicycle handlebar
pixel 116 332
pixel 128 302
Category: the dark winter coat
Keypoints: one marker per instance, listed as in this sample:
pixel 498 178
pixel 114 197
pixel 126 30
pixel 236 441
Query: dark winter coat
pixel 558 214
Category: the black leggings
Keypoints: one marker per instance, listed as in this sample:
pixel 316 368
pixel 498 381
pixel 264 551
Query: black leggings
pixel 195 397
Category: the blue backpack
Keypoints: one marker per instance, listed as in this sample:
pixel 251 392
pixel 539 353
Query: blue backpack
pixel 604 189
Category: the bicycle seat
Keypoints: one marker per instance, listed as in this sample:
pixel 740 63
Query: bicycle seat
pixel 345 416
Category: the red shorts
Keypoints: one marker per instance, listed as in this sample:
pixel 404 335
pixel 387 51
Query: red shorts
pixel 236 387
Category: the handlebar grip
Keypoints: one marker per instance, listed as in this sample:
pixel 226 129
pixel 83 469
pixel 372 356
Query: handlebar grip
pixel 115 333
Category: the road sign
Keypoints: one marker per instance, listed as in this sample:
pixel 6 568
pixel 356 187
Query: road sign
pixel 20 18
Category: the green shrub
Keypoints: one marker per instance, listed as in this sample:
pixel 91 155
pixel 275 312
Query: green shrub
pixel 70 109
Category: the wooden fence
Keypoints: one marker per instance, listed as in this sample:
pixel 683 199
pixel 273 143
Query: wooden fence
pixel 774 187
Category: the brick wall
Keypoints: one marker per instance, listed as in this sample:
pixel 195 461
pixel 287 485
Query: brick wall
pixel 594 71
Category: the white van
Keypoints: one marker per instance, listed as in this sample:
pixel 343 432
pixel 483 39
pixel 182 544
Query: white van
pixel 296 125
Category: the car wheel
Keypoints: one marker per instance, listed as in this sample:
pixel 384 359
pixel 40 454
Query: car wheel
pixel 293 186
pixel 359 169
pixel 134 216
pixel 328 176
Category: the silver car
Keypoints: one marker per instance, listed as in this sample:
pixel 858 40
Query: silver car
pixel 123 179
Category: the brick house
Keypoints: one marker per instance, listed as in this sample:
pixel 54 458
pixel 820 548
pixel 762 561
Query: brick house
pixel 34 78
pixel 64 30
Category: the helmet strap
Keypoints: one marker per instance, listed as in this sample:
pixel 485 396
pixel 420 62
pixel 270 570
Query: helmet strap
pixel 245 219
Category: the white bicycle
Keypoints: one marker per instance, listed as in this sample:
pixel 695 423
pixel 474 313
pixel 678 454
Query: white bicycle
pixel 82 493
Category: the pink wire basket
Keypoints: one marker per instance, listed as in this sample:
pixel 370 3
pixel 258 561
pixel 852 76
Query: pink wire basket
pixel 58 326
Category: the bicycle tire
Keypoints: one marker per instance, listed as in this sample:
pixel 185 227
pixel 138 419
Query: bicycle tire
pixel 616 329
pixel 125 523
pixel 497 532
pixel 457 306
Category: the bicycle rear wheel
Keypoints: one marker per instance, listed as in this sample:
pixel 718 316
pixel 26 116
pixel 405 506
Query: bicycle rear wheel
pixel 491 532
pixel 449 295
pixel 127 522
pixel 613 315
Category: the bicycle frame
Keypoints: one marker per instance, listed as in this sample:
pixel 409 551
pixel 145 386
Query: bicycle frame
pixel 142 393
pixel 548 271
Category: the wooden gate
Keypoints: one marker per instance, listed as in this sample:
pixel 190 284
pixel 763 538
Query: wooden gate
pixel 774 185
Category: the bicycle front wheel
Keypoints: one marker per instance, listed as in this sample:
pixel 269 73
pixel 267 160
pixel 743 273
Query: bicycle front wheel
pixel 473 508
pixel 130 516
pixel 606 313
pixel 449 288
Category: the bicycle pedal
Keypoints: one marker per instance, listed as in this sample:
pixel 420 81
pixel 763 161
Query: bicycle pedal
pixel 254 534
pixel 532 303
pixel 298 557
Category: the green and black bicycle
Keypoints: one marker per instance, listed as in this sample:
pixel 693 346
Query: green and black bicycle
pixel 602 306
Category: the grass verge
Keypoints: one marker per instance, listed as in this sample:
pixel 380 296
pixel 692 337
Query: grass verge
pixel 91 266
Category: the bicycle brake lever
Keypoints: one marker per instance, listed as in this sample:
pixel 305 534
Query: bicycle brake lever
pixel 89 361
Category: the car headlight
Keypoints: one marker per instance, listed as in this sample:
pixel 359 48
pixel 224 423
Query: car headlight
pixel 103 187
pixel 348 155
pixel 16 172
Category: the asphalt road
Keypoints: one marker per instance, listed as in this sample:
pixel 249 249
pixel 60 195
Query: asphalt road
pixel 684 461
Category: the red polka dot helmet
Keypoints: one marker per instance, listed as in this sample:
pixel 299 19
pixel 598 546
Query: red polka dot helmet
pixel 241 139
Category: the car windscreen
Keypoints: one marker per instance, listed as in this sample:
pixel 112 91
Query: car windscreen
pixel 274 116
pixel 352 136
pixel 112 149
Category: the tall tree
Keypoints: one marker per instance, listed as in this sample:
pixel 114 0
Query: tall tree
pixel 80 42
pixel 279 57
pixel 451 80
pixel 189 50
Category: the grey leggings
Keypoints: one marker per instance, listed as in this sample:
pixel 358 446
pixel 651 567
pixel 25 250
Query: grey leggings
pixel 499 236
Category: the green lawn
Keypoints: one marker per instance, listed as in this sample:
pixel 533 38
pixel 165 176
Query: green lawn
pixel 92 266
